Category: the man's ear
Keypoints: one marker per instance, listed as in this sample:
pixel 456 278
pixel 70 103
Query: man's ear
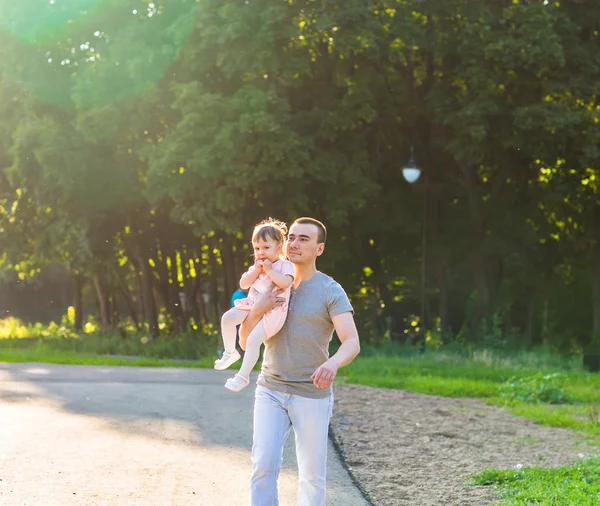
pixel 320 248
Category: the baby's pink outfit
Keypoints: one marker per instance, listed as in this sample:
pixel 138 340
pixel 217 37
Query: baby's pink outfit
pixel 274 319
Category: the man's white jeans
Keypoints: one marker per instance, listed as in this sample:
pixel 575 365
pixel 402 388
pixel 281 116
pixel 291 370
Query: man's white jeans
pixel 275 413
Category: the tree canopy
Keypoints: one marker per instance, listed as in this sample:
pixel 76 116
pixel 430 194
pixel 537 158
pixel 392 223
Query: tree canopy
pixel 140 143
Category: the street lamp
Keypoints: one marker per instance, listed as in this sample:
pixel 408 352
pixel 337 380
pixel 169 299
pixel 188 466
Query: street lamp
pixel 411 173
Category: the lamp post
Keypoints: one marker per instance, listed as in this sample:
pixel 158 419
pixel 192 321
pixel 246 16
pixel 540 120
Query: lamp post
pixel 411 173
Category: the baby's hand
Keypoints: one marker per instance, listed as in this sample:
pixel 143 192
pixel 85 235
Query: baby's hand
pixel 267 265
pixel 258 266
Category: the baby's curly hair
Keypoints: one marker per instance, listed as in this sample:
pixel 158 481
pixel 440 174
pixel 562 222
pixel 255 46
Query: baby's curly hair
pixel 270 229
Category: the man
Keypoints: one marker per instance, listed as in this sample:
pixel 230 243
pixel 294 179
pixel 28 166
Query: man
pixel 294 387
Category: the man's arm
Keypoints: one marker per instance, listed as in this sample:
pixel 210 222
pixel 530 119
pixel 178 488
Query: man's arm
pixel 263 303
pixel 345 328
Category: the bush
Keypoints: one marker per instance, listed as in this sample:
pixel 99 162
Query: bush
pixel 545 388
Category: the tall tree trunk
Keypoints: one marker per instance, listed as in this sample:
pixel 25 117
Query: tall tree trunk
pixel 374 316
pixel 103 303
pixel 229 265
pixel 148 298
pixel 200 282
pixel 213 287
pixel 176 308
pixel 384 293
pixel 478 252
pixel 146 286
pixel 435 215
pixel 243 255
pixel 596 298
pixel 162 286
pixel 78 300
pixel 440 269
pixel 191 286
pixel 202 306
pixel 239 261
pixel 531 303
pixel 130 304
pixel 142 303
pixel 116 317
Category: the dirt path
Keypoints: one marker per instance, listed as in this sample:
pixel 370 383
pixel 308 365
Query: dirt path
pixel 134 436
pixel 408 449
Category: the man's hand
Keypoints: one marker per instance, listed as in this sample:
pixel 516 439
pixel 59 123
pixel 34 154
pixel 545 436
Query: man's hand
pixel 263 303
pixel 269 300
pixel 323 377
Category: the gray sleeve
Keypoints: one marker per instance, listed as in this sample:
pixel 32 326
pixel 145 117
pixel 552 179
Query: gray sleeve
pixel 337 300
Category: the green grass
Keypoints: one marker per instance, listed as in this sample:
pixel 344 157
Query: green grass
pixel 40 354
pixel 67 353
pixel 574 485
pixel 188 346
pixel 135 349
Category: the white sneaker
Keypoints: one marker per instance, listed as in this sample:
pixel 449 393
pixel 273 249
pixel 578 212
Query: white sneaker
pixel 226 360
pixel 236 383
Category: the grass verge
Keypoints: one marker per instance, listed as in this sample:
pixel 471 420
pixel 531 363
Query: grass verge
pixel 460 376
pixel 188 346
pixel 574 485
pixel 49 356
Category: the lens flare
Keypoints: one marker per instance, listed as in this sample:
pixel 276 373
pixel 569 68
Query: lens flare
pixel 87 53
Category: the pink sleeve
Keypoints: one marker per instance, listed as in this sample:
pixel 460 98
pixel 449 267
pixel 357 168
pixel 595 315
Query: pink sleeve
pixel 287 268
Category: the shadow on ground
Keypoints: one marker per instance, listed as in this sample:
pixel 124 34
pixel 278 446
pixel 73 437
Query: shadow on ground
pixel 94 435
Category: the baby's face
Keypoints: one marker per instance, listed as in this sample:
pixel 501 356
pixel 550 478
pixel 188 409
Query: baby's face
pixel 267 250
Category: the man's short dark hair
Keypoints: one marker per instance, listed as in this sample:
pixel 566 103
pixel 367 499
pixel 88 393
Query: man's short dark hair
pixel 322 237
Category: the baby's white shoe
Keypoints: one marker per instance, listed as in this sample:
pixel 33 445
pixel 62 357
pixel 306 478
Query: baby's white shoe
pixel 236 383
pixel 226 360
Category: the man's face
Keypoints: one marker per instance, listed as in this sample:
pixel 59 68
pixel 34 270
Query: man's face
pixel 302 246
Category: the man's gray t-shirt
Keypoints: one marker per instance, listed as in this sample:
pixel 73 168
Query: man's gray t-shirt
pixel 302 344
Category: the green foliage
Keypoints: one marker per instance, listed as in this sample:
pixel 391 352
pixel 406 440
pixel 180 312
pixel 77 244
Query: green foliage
pixel 574 485
pixel 190 346
pixel 133 134
pixel 13 328
pixel 539 388
pixel 57 338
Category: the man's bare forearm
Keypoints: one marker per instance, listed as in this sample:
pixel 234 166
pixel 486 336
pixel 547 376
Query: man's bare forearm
pixel 348 335
pixel 347 352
